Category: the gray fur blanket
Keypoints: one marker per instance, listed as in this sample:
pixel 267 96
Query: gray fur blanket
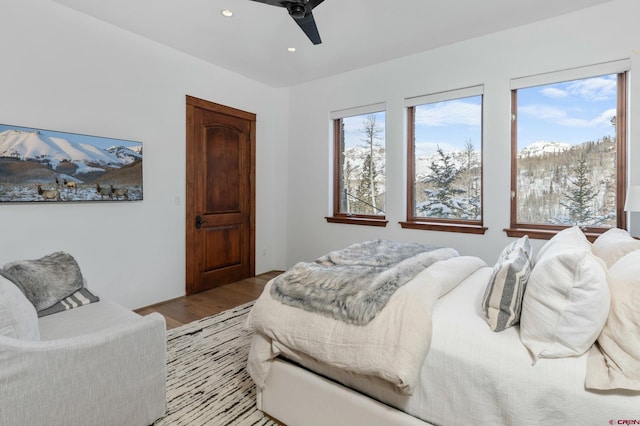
pixel 355 283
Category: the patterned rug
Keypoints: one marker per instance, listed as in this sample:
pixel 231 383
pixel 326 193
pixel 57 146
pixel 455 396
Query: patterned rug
pixel 207 382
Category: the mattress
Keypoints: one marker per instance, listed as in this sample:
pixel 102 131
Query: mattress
pixel 472 375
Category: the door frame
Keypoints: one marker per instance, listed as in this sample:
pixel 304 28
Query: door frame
pixel 192 266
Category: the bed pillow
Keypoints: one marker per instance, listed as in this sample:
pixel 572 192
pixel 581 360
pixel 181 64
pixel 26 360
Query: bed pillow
pixel 502 301
pixel 566 302
pixel 570 238
pixel 614 362
pixel 614 244
pixel 18 318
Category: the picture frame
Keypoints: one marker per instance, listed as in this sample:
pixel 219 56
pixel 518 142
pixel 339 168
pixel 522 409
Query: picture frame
pixel 50 166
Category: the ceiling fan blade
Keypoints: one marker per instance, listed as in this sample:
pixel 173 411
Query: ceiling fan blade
pixel 271 2
pixel 300 11
pixel 308 25
pixel 313 3
pixel 310 4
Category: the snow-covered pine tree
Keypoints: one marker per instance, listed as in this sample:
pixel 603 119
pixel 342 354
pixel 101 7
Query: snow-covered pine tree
pixel 579 199
pixel 442 200
pixel 366 194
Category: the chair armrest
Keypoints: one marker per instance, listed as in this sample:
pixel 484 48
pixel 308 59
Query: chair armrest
pixel 113 376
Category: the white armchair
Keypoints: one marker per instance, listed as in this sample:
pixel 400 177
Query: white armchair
pixel 99 364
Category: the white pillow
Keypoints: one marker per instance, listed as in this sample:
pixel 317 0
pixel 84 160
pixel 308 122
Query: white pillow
pixel 18 317
pixel 566 302
pixel 614 363
pixel 502 301
pixel 572 238
pixel 614 244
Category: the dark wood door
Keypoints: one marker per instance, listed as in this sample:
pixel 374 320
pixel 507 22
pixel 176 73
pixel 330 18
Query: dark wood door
pixel 220 199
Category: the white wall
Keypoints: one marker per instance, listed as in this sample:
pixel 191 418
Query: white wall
pixel 599 34
pixel 62 70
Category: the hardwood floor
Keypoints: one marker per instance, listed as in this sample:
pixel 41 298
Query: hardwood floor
pixel 185 309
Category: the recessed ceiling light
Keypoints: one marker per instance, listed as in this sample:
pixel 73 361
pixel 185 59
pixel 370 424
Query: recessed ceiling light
pixel 291 49
pixel 227 13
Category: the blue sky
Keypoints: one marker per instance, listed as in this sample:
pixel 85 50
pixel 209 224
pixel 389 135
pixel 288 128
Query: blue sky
pixel 353 126
pixel 74 137
pixel 448 125
pixel 573 112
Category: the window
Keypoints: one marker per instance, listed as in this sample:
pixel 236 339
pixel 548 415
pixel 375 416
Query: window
pixel 359 166
pixel 568 151
pixel 444 164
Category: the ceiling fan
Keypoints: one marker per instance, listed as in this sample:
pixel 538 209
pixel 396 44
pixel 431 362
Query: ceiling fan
pixel 300 11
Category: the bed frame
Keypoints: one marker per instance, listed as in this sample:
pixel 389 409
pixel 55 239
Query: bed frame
pixel 294 396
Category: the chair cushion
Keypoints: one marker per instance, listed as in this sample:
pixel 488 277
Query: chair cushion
pixel 86 319
pixel 18 317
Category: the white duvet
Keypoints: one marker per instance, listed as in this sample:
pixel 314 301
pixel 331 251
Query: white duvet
pixel 392 346
pixel 474 376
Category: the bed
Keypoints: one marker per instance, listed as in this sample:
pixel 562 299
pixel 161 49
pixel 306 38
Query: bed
pixel 477 368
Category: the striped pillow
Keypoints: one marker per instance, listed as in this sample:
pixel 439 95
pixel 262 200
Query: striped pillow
pixel 79 298
pixel 502 301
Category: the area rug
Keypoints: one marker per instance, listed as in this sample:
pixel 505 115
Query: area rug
pixel 207 381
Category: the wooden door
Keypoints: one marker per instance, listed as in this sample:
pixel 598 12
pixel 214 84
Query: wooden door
pixel 220 199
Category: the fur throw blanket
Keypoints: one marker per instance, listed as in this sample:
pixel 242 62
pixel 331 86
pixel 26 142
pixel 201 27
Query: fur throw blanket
pixel 355 283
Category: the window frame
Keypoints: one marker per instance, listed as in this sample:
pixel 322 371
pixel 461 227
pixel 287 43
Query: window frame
pixel 440 224
pixel 337 215
pixel 547 231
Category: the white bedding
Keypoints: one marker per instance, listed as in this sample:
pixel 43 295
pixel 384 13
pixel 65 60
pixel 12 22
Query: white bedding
pixel 472 375
pixel 392 346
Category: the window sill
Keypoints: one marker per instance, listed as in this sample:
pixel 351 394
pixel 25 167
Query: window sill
pixel 445 227
pixel 357 221
pixel 544 234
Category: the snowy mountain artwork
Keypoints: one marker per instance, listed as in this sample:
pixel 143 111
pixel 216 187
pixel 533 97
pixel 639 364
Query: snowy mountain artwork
pixel 47 166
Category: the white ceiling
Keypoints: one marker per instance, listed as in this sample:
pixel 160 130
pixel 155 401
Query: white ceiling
pixel 355 33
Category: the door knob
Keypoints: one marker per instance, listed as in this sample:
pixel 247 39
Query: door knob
pixel 199 222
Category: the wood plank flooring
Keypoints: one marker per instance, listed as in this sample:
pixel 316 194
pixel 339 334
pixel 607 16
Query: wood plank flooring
pixel 185 309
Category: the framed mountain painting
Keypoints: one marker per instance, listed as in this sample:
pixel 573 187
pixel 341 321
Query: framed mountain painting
pixel 48 166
